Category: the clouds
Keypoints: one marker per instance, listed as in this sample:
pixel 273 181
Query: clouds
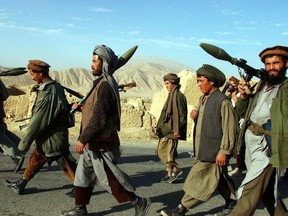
pixel 101 10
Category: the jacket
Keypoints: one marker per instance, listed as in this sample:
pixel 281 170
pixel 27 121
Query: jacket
pixel 48 124
pixel 279 121
pixel 163 129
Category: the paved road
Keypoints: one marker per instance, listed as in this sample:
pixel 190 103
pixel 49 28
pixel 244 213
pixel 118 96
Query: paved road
pixel 45 193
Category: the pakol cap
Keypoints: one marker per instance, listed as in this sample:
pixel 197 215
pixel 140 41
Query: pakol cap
pixel 276 50
pixel 172 78
pixel 234 79
pixel 213 74
pixel 38 66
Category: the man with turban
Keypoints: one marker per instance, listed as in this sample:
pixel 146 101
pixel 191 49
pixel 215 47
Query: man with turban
pixel 171 127
pixel 214 137
pixel 265 134
pixel 98 140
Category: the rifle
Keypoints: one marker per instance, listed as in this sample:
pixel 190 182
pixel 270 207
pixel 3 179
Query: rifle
pixel 121 61
pixel 124 87
pixel 121 87
pixel 223 55
pixel 14 72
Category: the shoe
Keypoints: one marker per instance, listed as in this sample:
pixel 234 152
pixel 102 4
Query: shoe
pixel 78 210
pixel 234 172
pixel 18 186
pixel 165 178
pixel 71 193
pixel 175 176
pixel 179 211
pixel 18 161
pixel 230 204
pixel 142 206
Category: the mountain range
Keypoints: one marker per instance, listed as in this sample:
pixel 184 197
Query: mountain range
pixel 146 72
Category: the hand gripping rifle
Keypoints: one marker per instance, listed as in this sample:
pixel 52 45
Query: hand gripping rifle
pixel 121 61
pixel 241 63
pixel 14 72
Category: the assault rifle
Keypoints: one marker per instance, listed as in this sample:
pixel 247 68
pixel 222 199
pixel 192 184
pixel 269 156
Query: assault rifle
pixel 121 87
pixel 241 63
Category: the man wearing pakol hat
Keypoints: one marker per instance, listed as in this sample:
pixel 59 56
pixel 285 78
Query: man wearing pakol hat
pixel 47 128
pixel 98 140
pixel 8 140
pixel 171 127
pixel 265 133
pixel 214 137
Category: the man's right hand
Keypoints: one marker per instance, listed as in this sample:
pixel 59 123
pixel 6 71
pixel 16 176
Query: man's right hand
pixel 77 107
pixel 193 114
pixel 79 147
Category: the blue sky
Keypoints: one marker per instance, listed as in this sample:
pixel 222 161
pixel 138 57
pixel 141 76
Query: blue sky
pixel 64 32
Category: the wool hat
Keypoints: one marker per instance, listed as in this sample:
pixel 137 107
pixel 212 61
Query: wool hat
pixel 38 66
pixel 172 78
pixel 276 50
pixel 213 74
pixel 234 79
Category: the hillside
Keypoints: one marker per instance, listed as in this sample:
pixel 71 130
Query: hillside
pixel 147 75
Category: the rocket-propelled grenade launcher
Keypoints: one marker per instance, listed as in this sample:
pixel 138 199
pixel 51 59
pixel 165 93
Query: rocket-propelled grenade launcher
pixel 223 55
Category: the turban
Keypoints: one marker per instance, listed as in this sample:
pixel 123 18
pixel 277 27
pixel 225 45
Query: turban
pixel 108 56
pixel 172 78
pixel 38 66
pixel 234 79
pixel 276 50
pixel 213 74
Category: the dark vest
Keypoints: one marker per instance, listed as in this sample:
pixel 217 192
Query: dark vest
pixel 211 129
pixel 108 139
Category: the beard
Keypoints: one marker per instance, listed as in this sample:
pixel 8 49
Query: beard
pixel 274 80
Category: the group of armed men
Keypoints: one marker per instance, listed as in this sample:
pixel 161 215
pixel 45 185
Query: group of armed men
pixel 250 123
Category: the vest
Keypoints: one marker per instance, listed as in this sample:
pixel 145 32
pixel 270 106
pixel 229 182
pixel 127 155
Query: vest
pixel 108 139
pixel 211 129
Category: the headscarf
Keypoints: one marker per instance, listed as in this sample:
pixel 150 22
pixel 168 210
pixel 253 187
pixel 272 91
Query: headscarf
pixel 213 74
pixel 110 61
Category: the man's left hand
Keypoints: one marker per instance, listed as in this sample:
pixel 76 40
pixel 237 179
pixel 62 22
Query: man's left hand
pixel 221 159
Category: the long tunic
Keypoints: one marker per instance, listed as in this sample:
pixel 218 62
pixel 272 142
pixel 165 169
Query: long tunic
pixel 256 154
pixel 203 178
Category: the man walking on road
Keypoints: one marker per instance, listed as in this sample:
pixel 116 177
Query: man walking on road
pixel 98 140
pixel 214 137
pixel 171 127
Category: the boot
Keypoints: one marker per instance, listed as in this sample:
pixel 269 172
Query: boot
pixel 78 210
pixel 179 211
pixel 142 206
pixel 18 162
pixel 18 186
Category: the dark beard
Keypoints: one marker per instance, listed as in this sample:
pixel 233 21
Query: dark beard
pixel 274 80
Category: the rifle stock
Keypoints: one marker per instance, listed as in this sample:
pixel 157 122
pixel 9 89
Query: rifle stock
pixel 124 87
